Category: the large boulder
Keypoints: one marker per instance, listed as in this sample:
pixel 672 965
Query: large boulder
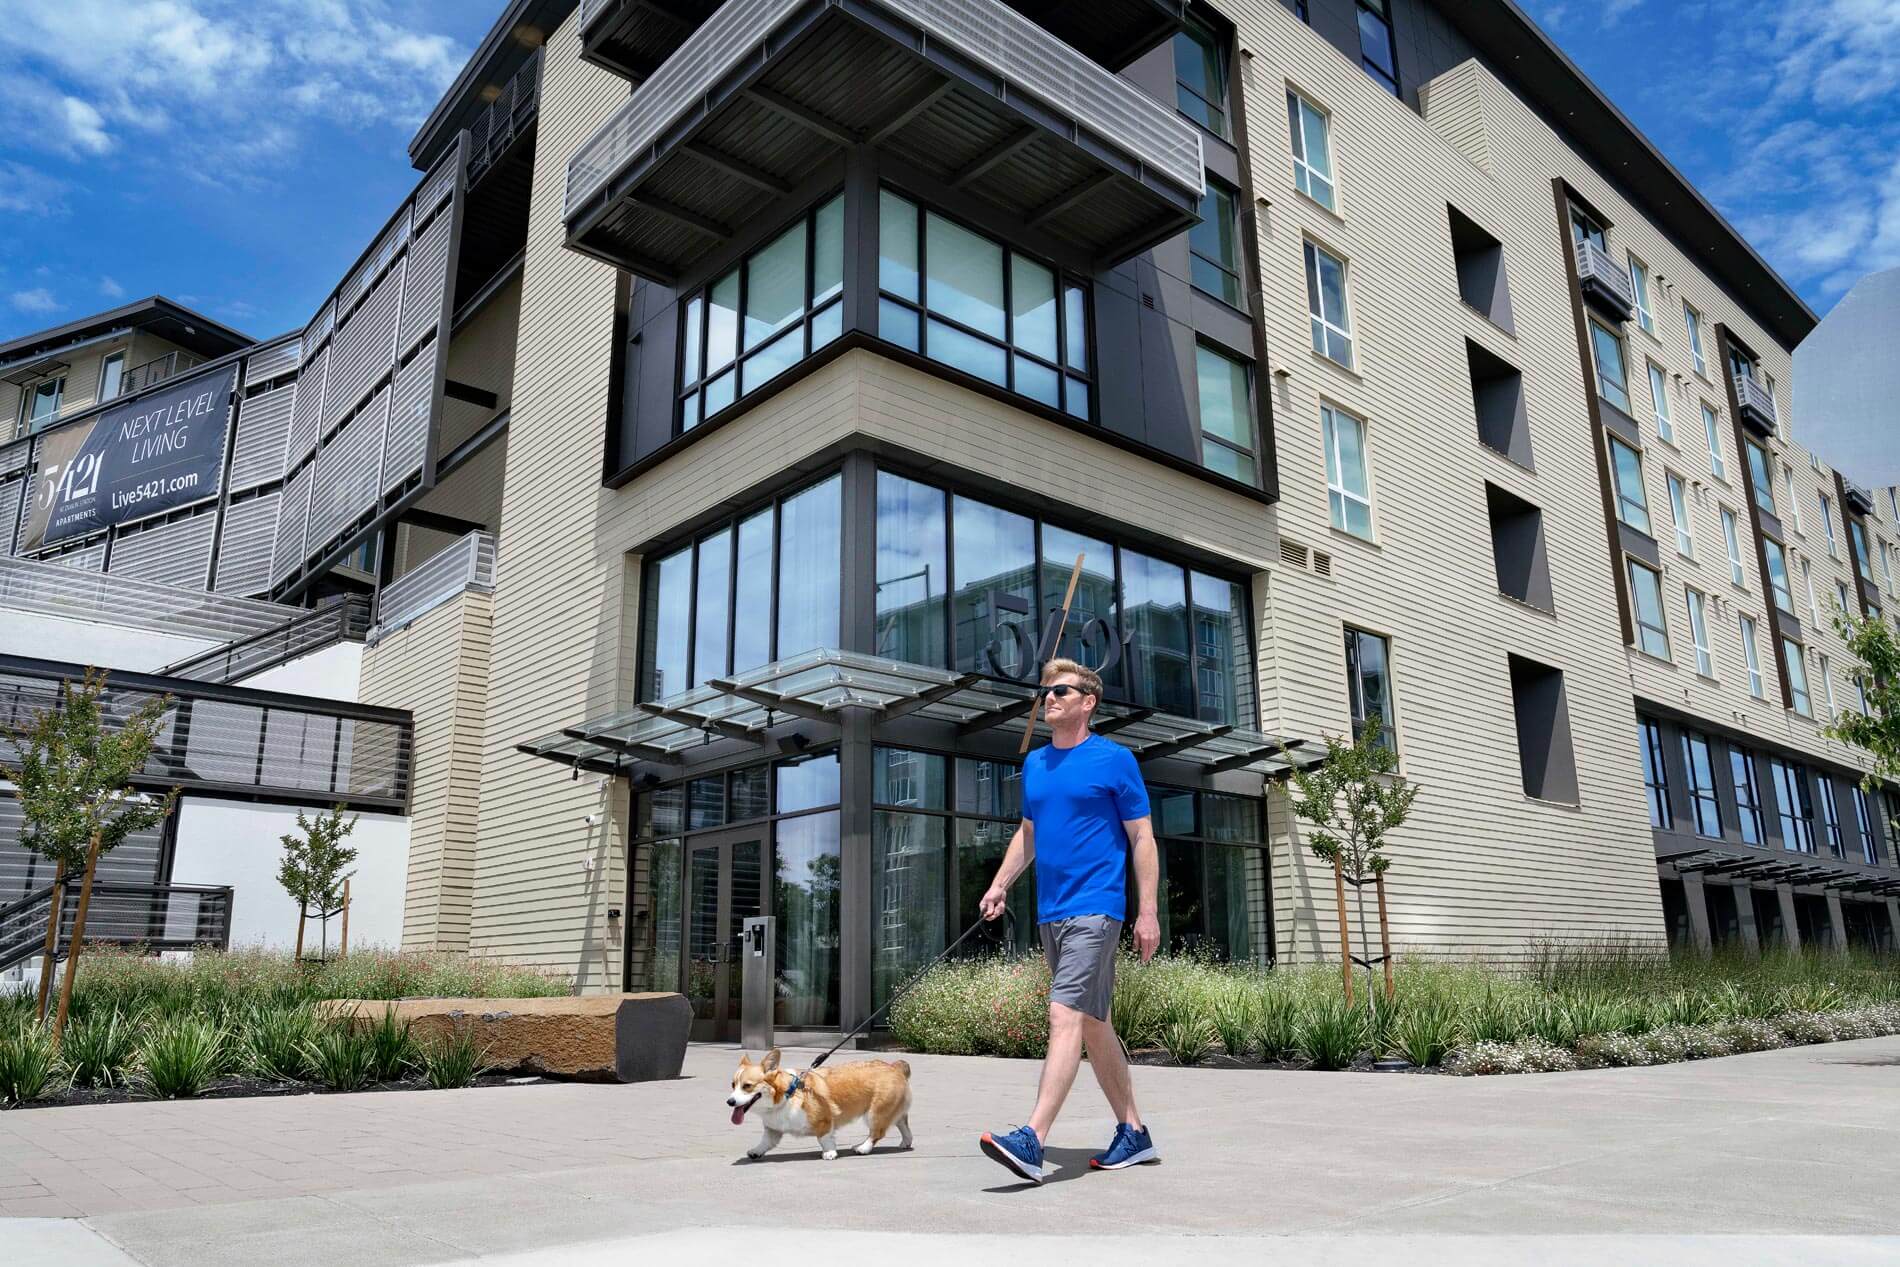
pixel 595 1037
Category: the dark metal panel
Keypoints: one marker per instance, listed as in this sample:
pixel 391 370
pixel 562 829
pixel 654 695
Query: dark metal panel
pixel 244 551
pixel 409 417
pixel 177 553
pixel 293 514
pixel 263 430
pixel 307 415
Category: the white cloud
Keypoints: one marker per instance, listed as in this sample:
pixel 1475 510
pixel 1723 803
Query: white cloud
pixel 29 191
pixel 85 126
pixel 111 289
pixel 39 299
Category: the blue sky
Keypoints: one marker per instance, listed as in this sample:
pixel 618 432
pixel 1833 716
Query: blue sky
pixel 237 155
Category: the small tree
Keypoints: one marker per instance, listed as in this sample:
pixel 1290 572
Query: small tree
pixel 312 870
pixel 1877 664
pixel 1353 799
pixel 74 774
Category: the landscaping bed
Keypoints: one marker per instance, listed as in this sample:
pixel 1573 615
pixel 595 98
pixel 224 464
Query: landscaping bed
pixel 1561 1007
pixel 247 1023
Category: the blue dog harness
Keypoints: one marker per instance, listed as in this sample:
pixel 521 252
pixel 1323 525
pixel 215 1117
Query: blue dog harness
pixel 798 1080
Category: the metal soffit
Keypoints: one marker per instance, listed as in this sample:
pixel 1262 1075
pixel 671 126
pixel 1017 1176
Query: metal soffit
pixel 1784 868
pixel 818 685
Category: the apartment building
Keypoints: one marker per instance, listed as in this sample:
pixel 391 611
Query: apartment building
pixel 1367 360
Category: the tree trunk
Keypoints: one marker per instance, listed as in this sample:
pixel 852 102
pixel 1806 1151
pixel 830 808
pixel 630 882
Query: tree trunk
pixel 1345 942
pixel 52 941
pixel 343 941
pixel 79 937
pixel 301 916
pixel 1385 935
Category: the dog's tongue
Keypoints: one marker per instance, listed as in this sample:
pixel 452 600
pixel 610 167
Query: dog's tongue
pixel 738 1114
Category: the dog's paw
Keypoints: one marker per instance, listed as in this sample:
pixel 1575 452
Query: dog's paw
pixel 831 1154
pixel 864 1149
pixel 755 1153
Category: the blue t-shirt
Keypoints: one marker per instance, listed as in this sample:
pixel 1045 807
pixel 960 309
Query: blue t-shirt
pixel 1077 799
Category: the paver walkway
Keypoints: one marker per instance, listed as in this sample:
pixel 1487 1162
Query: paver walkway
pixel 1799 1141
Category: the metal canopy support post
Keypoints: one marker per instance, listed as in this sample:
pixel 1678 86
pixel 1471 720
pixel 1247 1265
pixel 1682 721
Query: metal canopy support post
pixel 855 865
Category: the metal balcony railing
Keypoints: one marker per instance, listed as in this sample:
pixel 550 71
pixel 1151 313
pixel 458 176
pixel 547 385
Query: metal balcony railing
pixel 235 741
pixel 307 632
pixel 31 585
pixel 1858 499
pixel 159 916
pixel 156 370
pixel 1755 400
pixel 467 564
pixel 505 117
pixel 1603 281
pixel 994 36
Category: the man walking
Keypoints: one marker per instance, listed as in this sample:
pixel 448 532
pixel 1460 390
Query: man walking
pixel 1085 811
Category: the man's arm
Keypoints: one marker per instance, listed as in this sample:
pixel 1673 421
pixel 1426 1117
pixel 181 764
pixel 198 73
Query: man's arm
pixel 1141 841
pixel 1016 860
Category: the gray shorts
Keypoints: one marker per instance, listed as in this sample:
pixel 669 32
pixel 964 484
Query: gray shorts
pixel 1081 954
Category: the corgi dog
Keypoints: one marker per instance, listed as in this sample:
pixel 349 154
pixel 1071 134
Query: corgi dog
pixel 819 1101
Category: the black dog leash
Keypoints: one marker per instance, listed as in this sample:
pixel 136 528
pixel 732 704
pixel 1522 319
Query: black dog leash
pixel 1009 920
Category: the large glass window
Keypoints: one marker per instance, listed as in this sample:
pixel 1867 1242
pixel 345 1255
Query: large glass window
pixel 960 298
pixel 1758 477
pixel 1326 304
pixel 1369 685
pixel 1226 399
pixel 806 876
pixel 1639 284
pixel 1612 375
pixel 1200 78
pixel 42 403
pixel 1679 511
pixel 1778 574
pixel 1864 820
pixel 1741 765
pixel 1827 525
pixel 111 376
pixel 1659 402
pixel 1795 804
pixel 709 607
pixel 772 310
pixel 1214 244
pixel 1312 149
pixel 1655 774
pixel 1731 538
pixel 1712 431
pixel 1692 320
pixel 1626 472
pixel 1378 53
pixel 1857 536
pixel 1704 802
pixel 1797 677
pixel 1699 631
pixel 1348 484
pixel 1652 631
pixel 1830 817
pixel 1751 656
pixel 1184 633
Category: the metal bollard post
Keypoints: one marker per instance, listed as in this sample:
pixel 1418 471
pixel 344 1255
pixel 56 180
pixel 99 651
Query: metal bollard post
pixel 758 950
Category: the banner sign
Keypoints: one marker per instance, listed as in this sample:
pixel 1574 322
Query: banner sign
pixel 153 454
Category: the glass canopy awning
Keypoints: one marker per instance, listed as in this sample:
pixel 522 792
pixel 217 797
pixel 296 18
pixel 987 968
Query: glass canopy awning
pixel 1784 867
pixel 818 685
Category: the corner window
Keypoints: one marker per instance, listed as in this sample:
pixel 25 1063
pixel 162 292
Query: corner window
pixel 1378 54
pixel 1704 803
pixel 1659 402
pixel 1612 378
pixel 957 297
pixel 1214 246
pixel 1692 321
pixel 1655 774
pixel 1226 399
pixel 1312 149
pixel 1369 685
pixel 1699 632
pixel 778 306
pixel 1732 539
pixel 1747 795
pixel 712 608
pixel 111 376
pixel 1778 574
pixel 1626 472
pixel 1348 484
pixel 1639 283
pixel 1758 477
pixel 1200 78
pixel 1751 657
pixel 1652 630
pixel 1713 432
pixel 1326 303
pixel 1797 676
pixel 1679 511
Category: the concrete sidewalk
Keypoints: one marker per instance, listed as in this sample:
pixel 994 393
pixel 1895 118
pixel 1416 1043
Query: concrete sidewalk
pixel 1799 1141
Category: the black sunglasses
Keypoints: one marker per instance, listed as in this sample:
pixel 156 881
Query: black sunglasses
pixel 1062 690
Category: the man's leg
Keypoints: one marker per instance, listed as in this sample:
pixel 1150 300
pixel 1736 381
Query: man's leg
pixel 1111 1069
pixel 1058 1067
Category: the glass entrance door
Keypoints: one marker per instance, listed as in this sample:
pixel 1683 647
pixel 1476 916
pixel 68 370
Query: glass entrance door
pixel 723 888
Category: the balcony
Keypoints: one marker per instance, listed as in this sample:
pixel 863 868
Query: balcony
pixel 156 370
pixel 509 116
pixel 1859 500
pixel 632 37
pixel 969 91
pixel 467 564
pixel 1756 406
pixel 1605 285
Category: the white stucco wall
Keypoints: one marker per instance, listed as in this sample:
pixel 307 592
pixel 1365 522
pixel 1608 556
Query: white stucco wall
pixel 237 844
pixel 92 642
pixel 332 673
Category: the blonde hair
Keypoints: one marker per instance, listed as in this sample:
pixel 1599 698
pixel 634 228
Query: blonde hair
pixel 1091 680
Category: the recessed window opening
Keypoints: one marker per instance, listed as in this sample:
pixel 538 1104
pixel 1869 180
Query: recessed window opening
pixel 1497 397
pixel 1546 758
pixel 1652 629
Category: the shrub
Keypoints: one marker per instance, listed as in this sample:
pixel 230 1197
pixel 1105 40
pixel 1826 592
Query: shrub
pixel 1599 1050
pixel 181 1055
pixel 1330 1034
pixel 393 1050
pixel 341 1056
pixel 1426 1031
pixel 1530 1055
pixel 27 1061
pixel 453 1060
pixel 1805 1027
pixel 1187 1042
pixel 1553 1021
pixel 1683 1008
pixel 1492 1018
pixel 1236 1018
pixel 98 1050
pixel 1277 1026
pixel 274 1041
pixel 1750 1035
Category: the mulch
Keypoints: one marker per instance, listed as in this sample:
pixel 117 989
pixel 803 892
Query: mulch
pixel 238 1087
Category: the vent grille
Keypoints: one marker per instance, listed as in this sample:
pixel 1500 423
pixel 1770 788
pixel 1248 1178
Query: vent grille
pixel 1292 552
pixel 1322 563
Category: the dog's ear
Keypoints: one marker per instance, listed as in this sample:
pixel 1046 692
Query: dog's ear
pixel 745 1058
pixel 770 1063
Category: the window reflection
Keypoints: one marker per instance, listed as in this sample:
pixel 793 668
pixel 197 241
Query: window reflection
pixel 911 570
pixel 1156 614
pixel 996 586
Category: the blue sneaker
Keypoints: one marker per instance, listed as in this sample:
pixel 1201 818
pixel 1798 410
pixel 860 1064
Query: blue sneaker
pixel 1020 1150
pixel 1130 1147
